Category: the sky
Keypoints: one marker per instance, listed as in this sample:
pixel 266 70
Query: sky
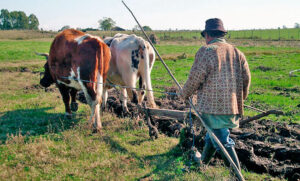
pixel 160 14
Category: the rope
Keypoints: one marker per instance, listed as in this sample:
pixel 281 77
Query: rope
pixel 121 86
pixel 255 109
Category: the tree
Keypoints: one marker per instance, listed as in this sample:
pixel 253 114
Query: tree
pixel 33 22
pixel 284 27
pixel 19 20
pixel 136 28
pixel 297 25
pixel 147 28
pixel 117 28
pixel 22 20
pixel 64 28
pixel 14 19
pixel 106 23
pixel 5 23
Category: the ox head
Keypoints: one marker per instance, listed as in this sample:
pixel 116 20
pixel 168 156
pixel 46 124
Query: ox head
pixel 47 80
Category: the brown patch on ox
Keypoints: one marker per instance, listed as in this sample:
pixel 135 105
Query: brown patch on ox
pixel 141 51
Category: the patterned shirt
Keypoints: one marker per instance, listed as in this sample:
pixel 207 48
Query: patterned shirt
pixel 221 76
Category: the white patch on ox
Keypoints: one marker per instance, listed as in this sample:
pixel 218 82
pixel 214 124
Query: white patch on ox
pixel 84 89
pixel 99 87
pixel 98 38
pixel 73 83
pixel 81 38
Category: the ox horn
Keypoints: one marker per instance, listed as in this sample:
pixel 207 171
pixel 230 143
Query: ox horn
pixel 43 54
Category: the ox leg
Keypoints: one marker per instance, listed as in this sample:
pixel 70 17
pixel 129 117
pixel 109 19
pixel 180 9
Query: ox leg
pixel 132 94
pixel 74 104
pixel 95 121
pixel 141 93
pixel 130 82
pixel 150 97
pixel 93 99
pixel 104 100
pixel 64 91
pixel 124 100
pixel 93 102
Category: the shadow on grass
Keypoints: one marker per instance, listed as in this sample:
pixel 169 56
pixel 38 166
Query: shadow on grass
pixel 33 122
pixel 164 164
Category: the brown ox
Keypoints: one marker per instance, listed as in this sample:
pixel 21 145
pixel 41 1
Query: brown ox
pixel 78 61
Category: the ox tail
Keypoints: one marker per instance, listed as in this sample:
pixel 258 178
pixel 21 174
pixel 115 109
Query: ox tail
pixel 149 92
pixel 99 74
pixel 43 54
pixel 102 59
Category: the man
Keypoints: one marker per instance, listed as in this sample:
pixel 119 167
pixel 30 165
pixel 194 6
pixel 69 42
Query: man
pixel 221 76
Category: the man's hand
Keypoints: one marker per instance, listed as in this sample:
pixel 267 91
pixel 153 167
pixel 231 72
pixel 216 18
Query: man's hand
pixel 186 101
pixel 183 98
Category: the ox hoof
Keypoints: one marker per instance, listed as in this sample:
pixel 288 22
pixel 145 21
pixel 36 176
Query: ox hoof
pixel 74 106
pixel 154 106
pixel 125 110
pixel 153 134
pixel 97 130
pixel 104 109
pixel 68 115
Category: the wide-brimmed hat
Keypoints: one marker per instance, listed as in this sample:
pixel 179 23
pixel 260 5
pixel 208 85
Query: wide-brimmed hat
pixel 214 24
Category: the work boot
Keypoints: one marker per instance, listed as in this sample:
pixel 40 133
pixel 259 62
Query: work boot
pixel 208 152
pixel 233 155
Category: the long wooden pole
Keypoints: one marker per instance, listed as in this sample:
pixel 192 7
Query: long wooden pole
pixel 237 171
pixel 263 114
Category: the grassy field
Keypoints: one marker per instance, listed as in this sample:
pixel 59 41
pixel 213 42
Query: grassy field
pixel 255 34
pixel 259 34
pixel 38 143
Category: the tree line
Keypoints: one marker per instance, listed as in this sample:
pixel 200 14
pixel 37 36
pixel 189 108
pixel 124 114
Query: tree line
pixel 107 24
pixel 17 20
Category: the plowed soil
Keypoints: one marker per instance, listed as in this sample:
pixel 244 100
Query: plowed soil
pixel 263 146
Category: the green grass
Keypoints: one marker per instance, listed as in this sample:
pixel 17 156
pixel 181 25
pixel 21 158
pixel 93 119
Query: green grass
pixel 15 51
pixel 38 143
pixel 266 34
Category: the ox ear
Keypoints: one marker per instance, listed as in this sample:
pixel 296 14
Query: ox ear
pixel 43 54
pixel 108 40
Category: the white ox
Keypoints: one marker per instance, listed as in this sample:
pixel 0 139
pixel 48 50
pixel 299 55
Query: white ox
pixel 132 59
